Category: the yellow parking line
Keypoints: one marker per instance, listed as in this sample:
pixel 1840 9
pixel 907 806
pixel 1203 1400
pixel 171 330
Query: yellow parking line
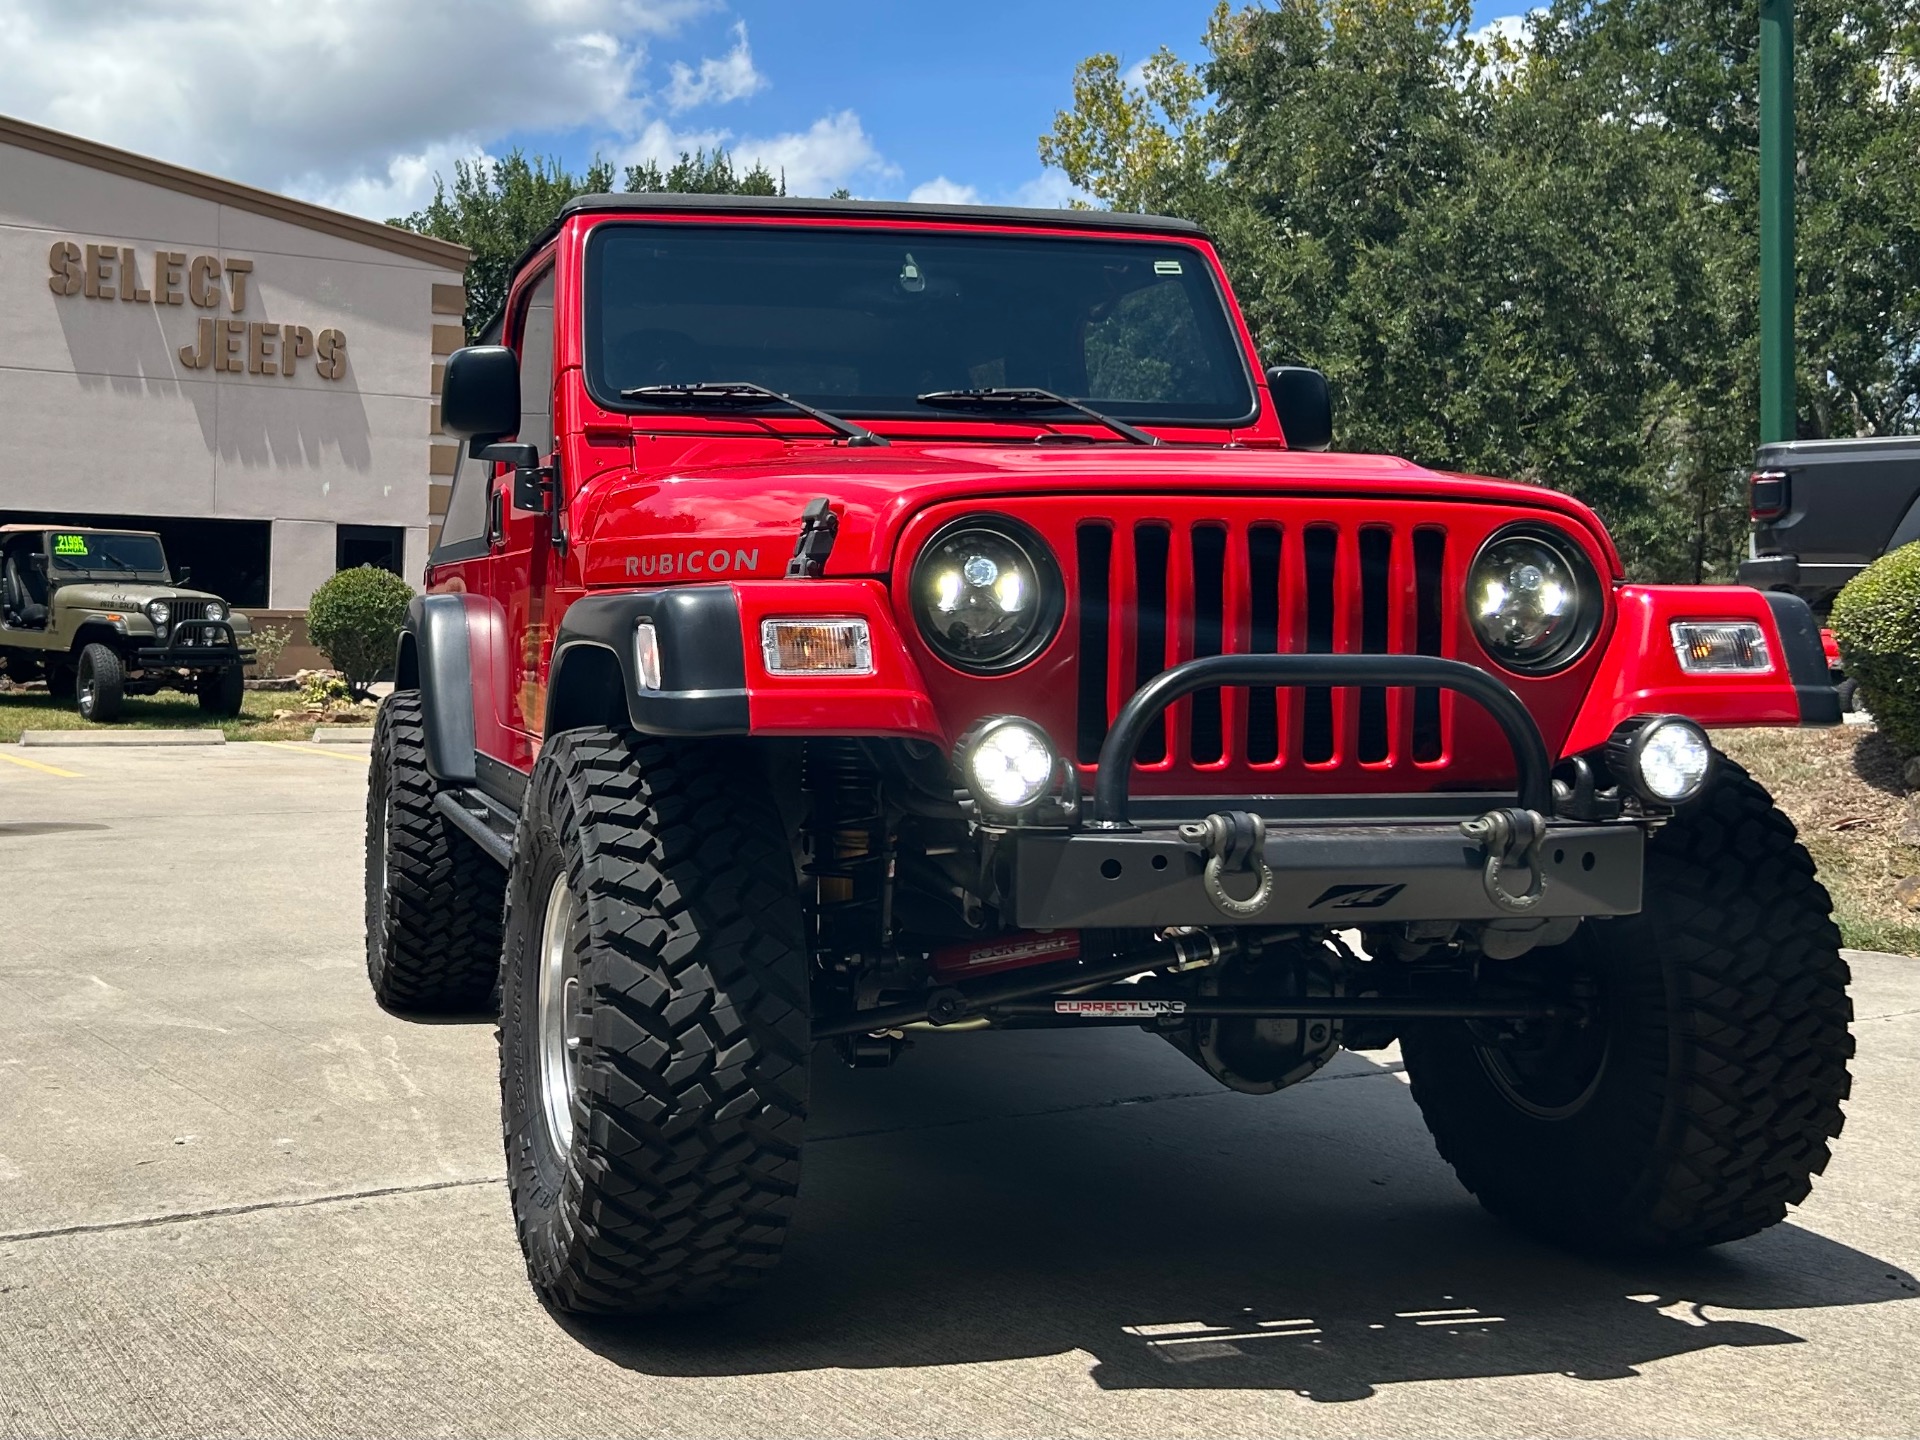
pixel 330 754
pixel 45 769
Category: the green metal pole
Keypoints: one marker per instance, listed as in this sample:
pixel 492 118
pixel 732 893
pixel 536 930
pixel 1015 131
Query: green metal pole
pixel 1777 166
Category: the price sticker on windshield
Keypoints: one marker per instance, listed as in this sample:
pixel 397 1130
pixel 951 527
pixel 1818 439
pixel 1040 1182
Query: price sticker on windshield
pixel 69 544
pixel 1166 267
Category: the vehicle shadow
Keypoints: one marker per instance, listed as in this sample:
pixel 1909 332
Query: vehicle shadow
pixel 1879 763
pixel 1182 1237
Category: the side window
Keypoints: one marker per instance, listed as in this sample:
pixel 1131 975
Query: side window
pixel 465 528
pixel 536 366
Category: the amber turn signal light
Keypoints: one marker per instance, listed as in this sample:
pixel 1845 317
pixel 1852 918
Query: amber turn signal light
pixel 816 647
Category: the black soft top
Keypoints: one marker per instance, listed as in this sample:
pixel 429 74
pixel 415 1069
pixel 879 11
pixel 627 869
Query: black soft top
pixel 776 205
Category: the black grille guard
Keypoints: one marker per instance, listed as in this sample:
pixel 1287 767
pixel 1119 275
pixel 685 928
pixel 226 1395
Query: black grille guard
pixel 1110 791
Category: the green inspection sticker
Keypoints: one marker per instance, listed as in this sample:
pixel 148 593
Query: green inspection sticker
pixel 69 544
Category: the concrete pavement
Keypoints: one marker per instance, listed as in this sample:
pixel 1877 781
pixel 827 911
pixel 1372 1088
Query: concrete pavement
pixel 238 1199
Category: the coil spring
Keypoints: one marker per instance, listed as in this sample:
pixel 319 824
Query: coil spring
pixel 845 835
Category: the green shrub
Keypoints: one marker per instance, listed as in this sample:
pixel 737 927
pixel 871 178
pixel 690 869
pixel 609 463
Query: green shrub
pixel 354 620
pixel 267 642
pixel 1876 619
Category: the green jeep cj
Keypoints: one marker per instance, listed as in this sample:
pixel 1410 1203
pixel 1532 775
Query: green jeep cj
pixel 98 613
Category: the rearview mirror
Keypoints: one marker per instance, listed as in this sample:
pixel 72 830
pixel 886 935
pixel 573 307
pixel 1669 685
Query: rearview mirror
pixel 480 394
pixel 1303 405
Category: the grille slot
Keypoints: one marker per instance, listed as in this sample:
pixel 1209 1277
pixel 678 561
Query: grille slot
pixel 1429 563
pixel 1093 546
pixel 1151 594
pixel 1206 741
pixel 1263 578
pixel 1150 554
pixel 179 610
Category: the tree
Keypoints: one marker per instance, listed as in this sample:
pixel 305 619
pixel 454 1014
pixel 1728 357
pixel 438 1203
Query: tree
pixel 1538 258
pixel 496 208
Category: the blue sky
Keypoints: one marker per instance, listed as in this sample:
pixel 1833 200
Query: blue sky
pixel 359 103
pixel 955 93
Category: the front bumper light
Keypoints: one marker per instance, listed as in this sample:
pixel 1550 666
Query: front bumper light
pixel 987 594
pixel 1664 759
pixel 1008 764
pixel 1534 599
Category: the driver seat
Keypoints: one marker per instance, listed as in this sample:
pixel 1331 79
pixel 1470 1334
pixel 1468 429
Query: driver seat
pixel 23 593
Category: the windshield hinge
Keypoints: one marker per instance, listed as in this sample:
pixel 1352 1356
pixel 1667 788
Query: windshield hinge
pixel 818 526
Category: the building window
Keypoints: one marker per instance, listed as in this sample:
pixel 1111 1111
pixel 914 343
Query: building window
pixel 381 546
pixel 228 558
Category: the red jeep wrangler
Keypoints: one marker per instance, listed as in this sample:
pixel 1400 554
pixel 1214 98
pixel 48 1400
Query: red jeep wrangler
pixel 862 621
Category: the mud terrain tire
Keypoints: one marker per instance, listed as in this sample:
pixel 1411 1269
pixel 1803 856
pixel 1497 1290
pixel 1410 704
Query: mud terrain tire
pixel 1720 1068
pixel 433 896
pixel 659 1172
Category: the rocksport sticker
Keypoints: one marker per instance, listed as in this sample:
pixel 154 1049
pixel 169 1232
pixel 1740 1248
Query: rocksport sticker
pixel 1120 1009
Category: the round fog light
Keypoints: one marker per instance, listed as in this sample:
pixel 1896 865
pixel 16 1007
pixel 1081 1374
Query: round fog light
pixel 1665 759
pixel 1008 763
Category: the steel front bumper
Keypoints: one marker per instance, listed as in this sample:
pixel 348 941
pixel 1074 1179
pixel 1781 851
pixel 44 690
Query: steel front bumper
pixel 1365 860
pixel 1328 874
pixel 194 645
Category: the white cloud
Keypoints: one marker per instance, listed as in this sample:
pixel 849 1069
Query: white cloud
pixel 344 98
pixel 1512 29
pixel 942 191
pixel 1135 75
pixel 731 77
pixel 406 186
pixel 1049 190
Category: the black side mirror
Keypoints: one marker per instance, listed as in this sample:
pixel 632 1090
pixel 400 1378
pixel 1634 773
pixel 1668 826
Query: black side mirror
pixel 480 394
pixel 1302 403
pixel 185 575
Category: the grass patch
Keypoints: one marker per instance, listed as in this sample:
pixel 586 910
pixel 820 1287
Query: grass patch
pixel 1842 789
pixel 34 710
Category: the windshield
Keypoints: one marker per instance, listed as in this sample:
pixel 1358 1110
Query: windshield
pixel 862 321
pixel 102 552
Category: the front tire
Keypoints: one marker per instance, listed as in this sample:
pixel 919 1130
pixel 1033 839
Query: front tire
pixel 222 692
pixel 654 1034
pixel 1698 1102
pixel 101 685
pixel 433 896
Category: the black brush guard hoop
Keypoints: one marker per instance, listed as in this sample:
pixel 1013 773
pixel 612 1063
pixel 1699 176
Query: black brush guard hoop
pixel 1535 790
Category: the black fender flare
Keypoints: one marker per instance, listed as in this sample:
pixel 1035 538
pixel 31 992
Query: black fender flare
pixel 594 676
pixel 435 658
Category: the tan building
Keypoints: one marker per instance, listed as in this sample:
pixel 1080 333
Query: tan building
pixel 252 376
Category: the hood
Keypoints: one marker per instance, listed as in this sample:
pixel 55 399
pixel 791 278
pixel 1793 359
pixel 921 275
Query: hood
pixel 125 594
pixel 636 524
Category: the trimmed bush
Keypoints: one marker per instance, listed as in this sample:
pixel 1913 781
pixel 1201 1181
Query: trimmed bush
pixel 1876 619
pixel 354 620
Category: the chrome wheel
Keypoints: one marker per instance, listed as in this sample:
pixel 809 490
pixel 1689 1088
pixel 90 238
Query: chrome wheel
pixel 559 1008
pixel 85 691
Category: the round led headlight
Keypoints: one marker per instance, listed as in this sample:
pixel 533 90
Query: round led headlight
pixel 1664 759
pixel 987 594
pixel 1008 763
pixel 158 612
pixel 1534 599
pixel 216 611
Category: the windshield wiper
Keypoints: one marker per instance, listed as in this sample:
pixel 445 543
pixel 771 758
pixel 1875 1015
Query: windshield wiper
pixel 1023 397
pixel 745 392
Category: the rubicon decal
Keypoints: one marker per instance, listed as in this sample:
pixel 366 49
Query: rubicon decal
pixel 1120 1009
pixel 717 560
